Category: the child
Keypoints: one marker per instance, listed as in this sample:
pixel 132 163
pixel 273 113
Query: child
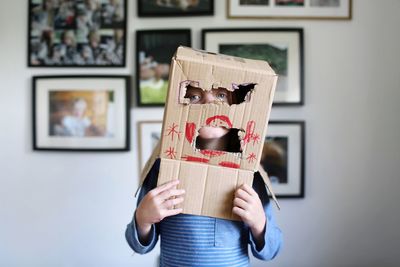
pixel 190 240
pixel 77 123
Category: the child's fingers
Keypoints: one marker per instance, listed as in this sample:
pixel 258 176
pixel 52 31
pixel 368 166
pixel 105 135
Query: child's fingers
pixel 238 202
pixel 249 190
pixel 172 202
pixel 240 193
pixel 170 193
pixel 239 212
pixel 172 212
pixel 164 187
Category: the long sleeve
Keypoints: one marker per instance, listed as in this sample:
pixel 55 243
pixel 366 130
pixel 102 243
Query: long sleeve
pixel 131 233
pixel 272 235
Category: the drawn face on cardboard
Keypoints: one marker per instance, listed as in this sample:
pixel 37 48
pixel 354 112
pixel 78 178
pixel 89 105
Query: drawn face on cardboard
pixel 216 109
pixel 215 136
pixel 199 96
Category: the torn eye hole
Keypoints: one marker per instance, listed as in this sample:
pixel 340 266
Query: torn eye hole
pixel 243 92
pixel 240 94
pixel 219 139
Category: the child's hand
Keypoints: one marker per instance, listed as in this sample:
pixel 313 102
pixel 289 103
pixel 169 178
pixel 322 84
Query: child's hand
pixel 247 205
pixel 158 204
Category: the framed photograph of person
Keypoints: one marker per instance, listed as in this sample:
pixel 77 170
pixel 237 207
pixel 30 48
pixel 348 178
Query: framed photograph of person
pixel 149 133
pixel 290 9
pixel 175 8
pixel 77 33
pixel 154 51
pixel 81 113
pixel 283 157
pixel 281 47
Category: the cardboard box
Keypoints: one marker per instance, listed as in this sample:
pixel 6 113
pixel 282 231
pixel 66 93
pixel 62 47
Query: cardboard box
pixel 210 177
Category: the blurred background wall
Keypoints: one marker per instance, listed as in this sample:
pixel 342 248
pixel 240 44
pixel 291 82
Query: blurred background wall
pixel 71 209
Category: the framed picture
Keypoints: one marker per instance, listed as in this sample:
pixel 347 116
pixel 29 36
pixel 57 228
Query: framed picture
pixel 281 47
pixel 81 113
pixel 77 33
pixel 154 51
pixel 283 158
pixel 290 9
pixel 168 8
pixel 149 133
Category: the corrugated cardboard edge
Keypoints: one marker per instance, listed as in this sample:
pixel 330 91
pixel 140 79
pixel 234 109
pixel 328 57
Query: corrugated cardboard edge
pixel 149 164
pixel 268 184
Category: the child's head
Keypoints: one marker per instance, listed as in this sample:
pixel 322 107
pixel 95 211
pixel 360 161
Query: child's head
pixel 161 71
pixel 94 39
pixel 68 38
pixel 118 35
pixel 210 137
pixel 199 96
pixel 79 107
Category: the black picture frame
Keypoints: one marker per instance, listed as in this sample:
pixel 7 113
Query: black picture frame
pixel 283 157
pixel 77 34
pixel 154 51
pixel 266 44
pixel 81 113
pixel 155 8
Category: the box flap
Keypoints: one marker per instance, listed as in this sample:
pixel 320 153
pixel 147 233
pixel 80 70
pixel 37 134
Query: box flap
pixel 149 164
pixel 268 184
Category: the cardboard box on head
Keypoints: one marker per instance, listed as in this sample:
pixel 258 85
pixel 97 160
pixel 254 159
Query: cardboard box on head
pixel 210 176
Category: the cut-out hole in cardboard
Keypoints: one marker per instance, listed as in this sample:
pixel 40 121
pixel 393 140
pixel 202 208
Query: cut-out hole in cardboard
pixel 197 95
pixel 243 92
pixel 219 139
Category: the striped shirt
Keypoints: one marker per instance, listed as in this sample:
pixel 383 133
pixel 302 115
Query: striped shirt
pixel 188 240
pixel 191 240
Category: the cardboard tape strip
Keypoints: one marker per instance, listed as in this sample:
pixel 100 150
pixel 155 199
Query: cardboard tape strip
pixel 268 184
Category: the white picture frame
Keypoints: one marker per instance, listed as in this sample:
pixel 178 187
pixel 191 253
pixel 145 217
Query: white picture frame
pixel 290 9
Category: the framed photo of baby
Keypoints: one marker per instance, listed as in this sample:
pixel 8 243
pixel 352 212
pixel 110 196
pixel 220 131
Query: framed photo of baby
pixel 77 33
pixel 154 51
pixel 81 113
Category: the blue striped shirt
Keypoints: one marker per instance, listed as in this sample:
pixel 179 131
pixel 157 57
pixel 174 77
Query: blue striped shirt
pixel 191 240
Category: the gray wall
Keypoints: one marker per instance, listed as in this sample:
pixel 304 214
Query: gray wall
pixel 71 209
